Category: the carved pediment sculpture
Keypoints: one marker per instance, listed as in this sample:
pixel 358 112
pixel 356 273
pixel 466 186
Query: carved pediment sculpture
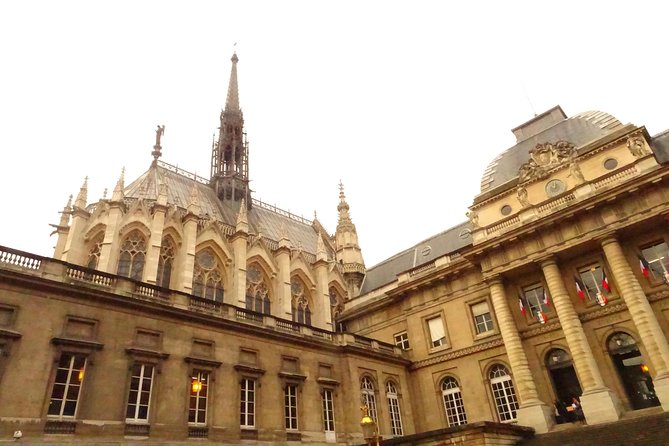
pixel 637 147
pixel 545 157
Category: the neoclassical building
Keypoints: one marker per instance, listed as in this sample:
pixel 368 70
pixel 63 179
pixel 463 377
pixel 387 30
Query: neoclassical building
pixel 182 307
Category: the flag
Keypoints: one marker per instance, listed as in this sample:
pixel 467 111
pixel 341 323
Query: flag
pixel 547 302
pixel 579 288
pixel 605 282
pixel 522 307
pixel 644 267
pixel 542 317
pixel 601 299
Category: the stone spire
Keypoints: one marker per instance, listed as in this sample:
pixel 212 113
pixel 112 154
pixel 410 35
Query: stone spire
pixel 321 254
pixel 82 196
pixel 229 155
pixel 65 214
pixel 347 250
pixel 242 219
pixel 232 101
pixel 194 204
pixel 284 241
pixel 118 195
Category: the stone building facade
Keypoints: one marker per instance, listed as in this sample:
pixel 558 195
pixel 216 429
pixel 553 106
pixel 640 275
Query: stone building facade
pixel 184 308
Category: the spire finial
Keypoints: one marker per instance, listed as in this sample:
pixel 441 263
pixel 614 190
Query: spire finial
pixel 160 131
pixel 65 214
pixel 117 195
pixel 232 101
pixel 342 199
pixel 242 219
pixel 82 197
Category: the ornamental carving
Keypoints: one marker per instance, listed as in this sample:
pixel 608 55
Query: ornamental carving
pixel 545 157
pixel 636 147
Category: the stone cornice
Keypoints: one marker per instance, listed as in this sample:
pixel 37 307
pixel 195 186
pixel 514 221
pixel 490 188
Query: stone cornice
pixel 458 353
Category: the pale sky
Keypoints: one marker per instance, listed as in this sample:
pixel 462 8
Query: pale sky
pixel 405 102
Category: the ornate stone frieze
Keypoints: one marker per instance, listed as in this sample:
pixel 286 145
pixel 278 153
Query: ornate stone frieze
pixel 545 157
pixel 458 353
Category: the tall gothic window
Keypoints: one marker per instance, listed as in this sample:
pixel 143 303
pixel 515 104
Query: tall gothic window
pixel 301 310
pixel 165 261
pixel 336 304
pixel 94 254
pixel 257 293
pixel 207 277
pixel 133 253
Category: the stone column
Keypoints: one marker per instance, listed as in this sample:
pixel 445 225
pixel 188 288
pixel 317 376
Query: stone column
pixel 187 254
pixel 532 412
pixel 642 315
pixel 322 312
pixel 238 294
pixel 155 243
pixel 599 404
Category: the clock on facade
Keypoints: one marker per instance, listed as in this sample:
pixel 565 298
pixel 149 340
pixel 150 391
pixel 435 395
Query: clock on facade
pixel 554 187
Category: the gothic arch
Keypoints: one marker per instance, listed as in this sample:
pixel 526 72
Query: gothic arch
pixel 209 274
pixel 259 253
pixel 299 265
pixel 166 260
pixel 258 287
pixel 135 225
pixel 93 248
pixel 211 238
pixel 93 231
pixel 132 253
pixel 302 301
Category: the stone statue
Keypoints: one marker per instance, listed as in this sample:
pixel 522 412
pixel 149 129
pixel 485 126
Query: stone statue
pixel 636 147
pixel 522 197
pixel 473 218
pixel 160 131
pixel 575 172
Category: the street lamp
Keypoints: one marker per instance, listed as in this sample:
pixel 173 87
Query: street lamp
pixel 369 428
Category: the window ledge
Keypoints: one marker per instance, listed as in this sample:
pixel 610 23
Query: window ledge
pixel 80 343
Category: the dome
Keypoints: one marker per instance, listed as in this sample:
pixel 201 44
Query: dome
pixel 550 126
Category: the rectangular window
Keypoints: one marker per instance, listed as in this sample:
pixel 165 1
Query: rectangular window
pixel 328 411
pixel 437 333
pixel 67 385
pixel 199 389
pixel 657 257
pixel 139 397
pixel 534 296
pixel 402 340
pixel 247 409
pixel 592 277
pixel 290 406
pixel 482 317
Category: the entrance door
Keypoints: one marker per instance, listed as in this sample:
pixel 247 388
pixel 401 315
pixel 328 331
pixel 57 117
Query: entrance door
pixel 632 370
pixel 565 383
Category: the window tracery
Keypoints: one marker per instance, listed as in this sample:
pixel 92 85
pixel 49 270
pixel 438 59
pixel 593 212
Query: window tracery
pixel 132 256
pixel 257 292
pixel 301 310
pixel 207 276
pixel 165 262
pixel 94 254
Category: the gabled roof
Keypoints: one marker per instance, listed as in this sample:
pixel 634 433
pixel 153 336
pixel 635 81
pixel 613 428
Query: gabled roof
pixel 262 218
pixel 447 242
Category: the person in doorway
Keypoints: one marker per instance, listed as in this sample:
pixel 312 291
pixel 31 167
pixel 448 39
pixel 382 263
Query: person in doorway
pixel 577 411
pixel 561 414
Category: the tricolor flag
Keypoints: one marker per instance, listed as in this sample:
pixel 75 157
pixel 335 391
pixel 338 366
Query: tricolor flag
pixel 542 317
pixel 605 282
pixel 644 267
pixel 601 299
pixel 579 288
pixel 547 301
pixel 522 307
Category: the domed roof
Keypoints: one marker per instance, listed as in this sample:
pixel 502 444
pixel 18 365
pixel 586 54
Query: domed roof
pixel 551 126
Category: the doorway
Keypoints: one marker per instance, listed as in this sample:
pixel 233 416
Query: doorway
pixel 565 384
pixel 632 370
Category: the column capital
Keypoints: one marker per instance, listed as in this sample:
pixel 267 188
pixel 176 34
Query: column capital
pixel 548 259
pixel 493 279
pixel 607 238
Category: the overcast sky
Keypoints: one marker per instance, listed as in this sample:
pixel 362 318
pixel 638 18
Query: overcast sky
pixel 405 102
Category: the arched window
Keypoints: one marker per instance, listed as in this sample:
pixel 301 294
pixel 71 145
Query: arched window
pixel 336 304
pixel 257 293
pixel 207 276
pixel 94 254
pixel 453 405
pixel 394 409
pixel 504 393
pixel 301 311
pixel 133 253
pixel 165 261
pixel 367 396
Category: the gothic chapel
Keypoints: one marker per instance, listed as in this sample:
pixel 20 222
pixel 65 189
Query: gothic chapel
pixel 183 308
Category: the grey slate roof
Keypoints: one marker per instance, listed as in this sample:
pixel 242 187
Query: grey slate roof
pixel 267 219
pixel 660 145
pixel 447 242
pixel 579 130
